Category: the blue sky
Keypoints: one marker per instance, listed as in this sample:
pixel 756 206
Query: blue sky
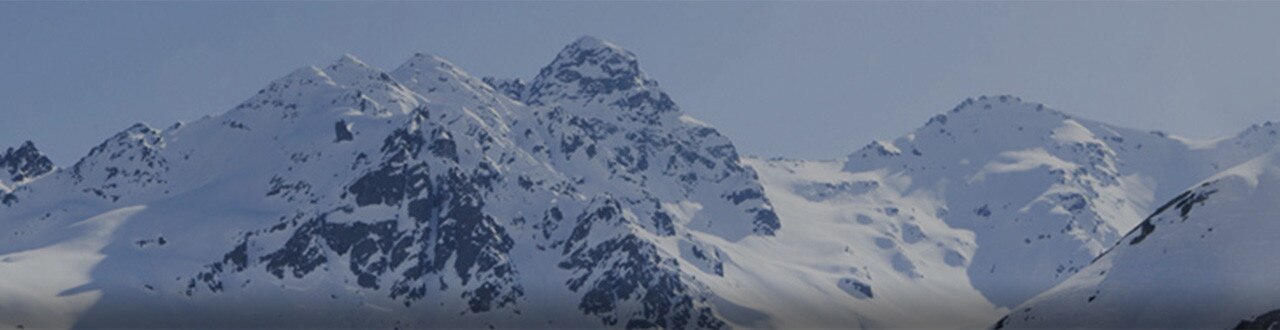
pixel 808 80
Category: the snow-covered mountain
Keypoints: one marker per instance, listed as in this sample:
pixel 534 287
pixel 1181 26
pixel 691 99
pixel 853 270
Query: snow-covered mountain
pixel 1202 260
pixel 348 196
pixel 998 199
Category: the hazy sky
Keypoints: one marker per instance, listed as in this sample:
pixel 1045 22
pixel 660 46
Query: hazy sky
pixel 809 80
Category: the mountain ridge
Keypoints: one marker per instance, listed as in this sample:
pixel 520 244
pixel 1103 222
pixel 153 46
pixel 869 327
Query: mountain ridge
pixel 1218 225
pixel 455 191
pixel 347 195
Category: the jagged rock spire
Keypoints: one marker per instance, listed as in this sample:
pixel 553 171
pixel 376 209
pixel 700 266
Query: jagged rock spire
pixel 24 162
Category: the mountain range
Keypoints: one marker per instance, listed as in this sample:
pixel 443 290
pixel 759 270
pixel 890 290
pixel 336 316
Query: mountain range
pixel 344 195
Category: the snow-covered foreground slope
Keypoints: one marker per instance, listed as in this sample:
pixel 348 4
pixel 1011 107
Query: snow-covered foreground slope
pixel 55 274
pixel 1205 259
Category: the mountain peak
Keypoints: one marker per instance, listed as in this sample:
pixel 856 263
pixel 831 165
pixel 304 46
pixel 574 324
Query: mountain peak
pixel 594 53
pixel 1010 108
pixel 28 146
pixel 999 102
pixel 592 42
pixel 139 127
pixel 139 134
pixel 424 65
pixel 348 59
pixel 348 69
pixel 426 60
pixel 430 75
pixel 24 162
pixel 311 74
pixel 586 68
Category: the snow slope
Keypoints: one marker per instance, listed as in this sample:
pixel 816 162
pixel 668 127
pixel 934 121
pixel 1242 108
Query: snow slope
pixel 57 273
pixel 1201 260
pixel 876 241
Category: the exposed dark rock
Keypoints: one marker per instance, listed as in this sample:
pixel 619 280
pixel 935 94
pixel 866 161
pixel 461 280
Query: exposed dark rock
pixel 24 162
pixel 1268 320
pixel 342 131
